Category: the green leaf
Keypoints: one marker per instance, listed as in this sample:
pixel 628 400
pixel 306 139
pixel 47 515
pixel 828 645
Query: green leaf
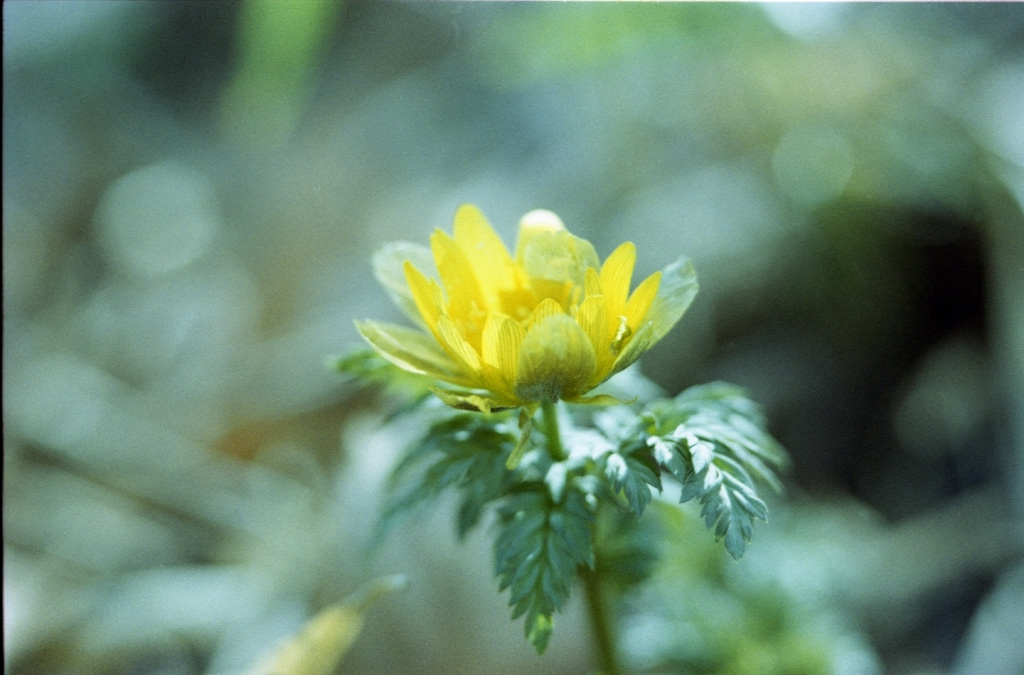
pixel 539 548
pixel 538 631
pixel 371 369
pixel 466 451
pixel 633 472
pixel 711 438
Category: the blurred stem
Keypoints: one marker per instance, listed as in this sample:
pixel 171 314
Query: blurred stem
pixel 599 620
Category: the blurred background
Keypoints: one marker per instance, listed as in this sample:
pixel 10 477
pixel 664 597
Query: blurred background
pixel 192 192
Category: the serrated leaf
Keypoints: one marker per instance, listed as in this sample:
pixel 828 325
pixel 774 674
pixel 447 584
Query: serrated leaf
pixel 711 439
pixel 736 527
pixel 635 478
pixel 539 548
pixel 712 478
pixel 693 486
pixel 466 451
pixel 538 631
pixel 701 454
pixel 664 449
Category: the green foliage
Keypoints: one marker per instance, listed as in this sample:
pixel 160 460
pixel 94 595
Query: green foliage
pixel 279 45
pixel 711 438
pixel 548 503
pixel 702 613
pixel 466 451
pixel 634 472
pixel 526 46
pixel 370 368
pixel 541 544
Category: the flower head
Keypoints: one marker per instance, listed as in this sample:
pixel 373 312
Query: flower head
pixel 551 323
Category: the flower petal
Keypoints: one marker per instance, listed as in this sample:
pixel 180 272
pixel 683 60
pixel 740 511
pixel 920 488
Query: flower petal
pixel 426 296
pixel 546 308
pixel 550 324
pixel 641 299
pixel 457 277
pixel 500 351
pixel 388 268
pixel 640 342
pixel 591 283
pixel 676 292
pixel 601 399
pixel 616 276
pixel 593 319
pixel 556 360
pixel 457 347
pixel 467 400
pixel 492 265
pixel 412 350
pixel 555 255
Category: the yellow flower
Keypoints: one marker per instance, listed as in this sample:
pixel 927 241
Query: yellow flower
pixel 549 324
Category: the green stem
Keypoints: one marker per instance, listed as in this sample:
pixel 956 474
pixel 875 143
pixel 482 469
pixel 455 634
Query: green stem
pixel 549 414
pixel 599 620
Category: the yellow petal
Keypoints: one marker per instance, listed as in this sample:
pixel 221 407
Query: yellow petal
pixel 592 282
pixel 426 295
pixel 457 277
pixel 593 319
pixel 323 641
pixel 457 347
pixel 601 399
pixel 641 299
pixel 413 351
pixel 546 308
pixel 556 360
pixel 676 292
pixel 616 276
pixel 486 253
pixel 388 267
pixel 520 300
pixel 500 350
pixel 318 649
pixel 558 291
pixel 637 345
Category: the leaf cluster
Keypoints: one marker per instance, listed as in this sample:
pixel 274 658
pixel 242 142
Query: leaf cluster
pixel 544 514
pixel 548 510
pixel 712 440
pixel 467 452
